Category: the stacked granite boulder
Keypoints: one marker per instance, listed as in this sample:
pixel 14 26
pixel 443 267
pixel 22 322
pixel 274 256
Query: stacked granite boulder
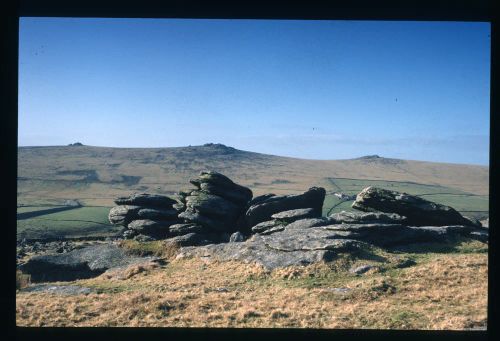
pixel 144 214
pixel 206 214
pixel 215 205
pixel 269 213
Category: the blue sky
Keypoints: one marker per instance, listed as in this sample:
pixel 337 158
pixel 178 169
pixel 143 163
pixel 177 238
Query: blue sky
pixel 309 89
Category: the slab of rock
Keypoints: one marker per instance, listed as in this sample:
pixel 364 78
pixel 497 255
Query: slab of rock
pixel 151 227
pixel 191 216
pixel 58 289
pixel 366 218
pixel 239 196
pixel 264 226
pixel 311 222
pixel 212 205
pixel 309 240
pixel 147 200
pixel 419 212
pixel 81 263
pixel 274 229
pixel 396 234
pixel 193 239
pixel 292 215
pixel 123 214
pixel 157 214
pixel 274 251
pixel 264 209
pixel 181 229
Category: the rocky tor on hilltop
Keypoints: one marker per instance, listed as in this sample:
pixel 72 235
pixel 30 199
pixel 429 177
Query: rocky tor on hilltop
pixel 221 220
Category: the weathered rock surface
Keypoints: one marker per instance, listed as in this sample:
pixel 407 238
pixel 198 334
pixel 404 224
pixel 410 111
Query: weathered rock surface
pixel 215 183
pixel 264 226
pixel 144 214
pixel 77 264
pixel 395 234
pixel 58 289
pixel 265 207
pixel 293 215
pixel 157 214
pixel 366 218
pixel 274 229
pixel 308 223
pixel 211 205
pixel 181 229
pixel 274 251
pixel 123 214
pixel 312 240
pixel 146 200
pixel 191 216
pixel 216 203
pixel 192 239
pixel 419 212
pixel 236 237
pixel 152 228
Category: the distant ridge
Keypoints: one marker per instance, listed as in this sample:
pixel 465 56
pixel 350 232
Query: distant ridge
pixel 98 174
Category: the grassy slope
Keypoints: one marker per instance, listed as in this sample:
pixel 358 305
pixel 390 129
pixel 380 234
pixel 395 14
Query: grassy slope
pixel 446 289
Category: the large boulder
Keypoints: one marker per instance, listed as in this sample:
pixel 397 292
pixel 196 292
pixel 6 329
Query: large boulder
pixel 265 207
pixel 418 211
pixel 81 263
pixel 215 183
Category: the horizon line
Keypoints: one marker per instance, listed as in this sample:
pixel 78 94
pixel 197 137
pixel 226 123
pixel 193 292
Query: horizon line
pixel 248 151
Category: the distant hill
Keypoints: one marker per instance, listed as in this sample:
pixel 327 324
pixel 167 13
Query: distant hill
pixel 96 175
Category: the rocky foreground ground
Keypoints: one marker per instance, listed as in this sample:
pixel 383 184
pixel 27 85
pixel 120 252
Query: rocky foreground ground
pixel 215 256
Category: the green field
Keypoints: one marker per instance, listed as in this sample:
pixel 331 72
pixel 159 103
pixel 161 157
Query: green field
pixel 466 203
pixel 78 222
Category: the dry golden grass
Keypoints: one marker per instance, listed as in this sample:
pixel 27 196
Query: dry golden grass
pixel 159 248
pixel 445 291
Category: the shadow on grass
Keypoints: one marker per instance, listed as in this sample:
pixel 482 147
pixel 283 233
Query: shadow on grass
pixel 33 214
pixel 452 244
